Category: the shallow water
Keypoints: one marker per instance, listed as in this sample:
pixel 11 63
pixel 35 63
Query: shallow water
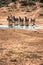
pixel 23 27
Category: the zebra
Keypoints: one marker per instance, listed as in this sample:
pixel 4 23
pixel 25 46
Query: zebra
pixel 26 21
pixel 33 21
pixel 10 21
pixel 15 20
pixel 21 21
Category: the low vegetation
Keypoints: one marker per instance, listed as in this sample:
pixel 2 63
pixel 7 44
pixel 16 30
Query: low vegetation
pixel 41 5
pixel 41 64
pixel 24 3
pixel 41 14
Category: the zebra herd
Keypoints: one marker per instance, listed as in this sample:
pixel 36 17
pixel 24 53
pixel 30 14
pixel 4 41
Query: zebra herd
pixel 20 21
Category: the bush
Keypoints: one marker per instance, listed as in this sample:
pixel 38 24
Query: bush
pixel 31 3
pixel 41 64
pixel 24 3
pixel 14 0
pixel 36 0
pixel 41 5
pixel 41 14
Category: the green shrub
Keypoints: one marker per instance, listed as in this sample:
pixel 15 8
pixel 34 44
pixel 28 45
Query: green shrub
pixel 14 0
pixel 35 0
pixel 24 3
pixel 41 5
pixel 31 3
pixel 41 14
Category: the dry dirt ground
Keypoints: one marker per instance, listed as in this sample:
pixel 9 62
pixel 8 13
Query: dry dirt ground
pixel 21 47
